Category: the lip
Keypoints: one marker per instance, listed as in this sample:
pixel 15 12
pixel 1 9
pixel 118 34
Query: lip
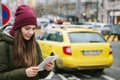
pixel 28 37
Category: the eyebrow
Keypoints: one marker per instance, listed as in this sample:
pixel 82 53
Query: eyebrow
pixel 29 26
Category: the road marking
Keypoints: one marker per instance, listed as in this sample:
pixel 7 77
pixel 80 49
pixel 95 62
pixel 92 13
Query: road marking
pixel 50 75
pixel 88 76
pixel 108 77
pixel 62 77
pixel 73 78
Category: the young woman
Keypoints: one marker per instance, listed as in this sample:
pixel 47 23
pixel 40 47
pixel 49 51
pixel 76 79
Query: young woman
pixel 19 52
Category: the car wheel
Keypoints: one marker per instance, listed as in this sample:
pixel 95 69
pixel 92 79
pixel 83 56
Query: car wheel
pixel 56 69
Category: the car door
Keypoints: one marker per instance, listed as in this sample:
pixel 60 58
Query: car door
pixel 47 42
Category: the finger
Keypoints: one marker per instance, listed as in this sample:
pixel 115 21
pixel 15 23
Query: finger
pixel 48 67
pixel 33 73
pixel 51 63
pixel 35 68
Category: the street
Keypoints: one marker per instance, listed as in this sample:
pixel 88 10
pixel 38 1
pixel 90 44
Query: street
pixel 111 73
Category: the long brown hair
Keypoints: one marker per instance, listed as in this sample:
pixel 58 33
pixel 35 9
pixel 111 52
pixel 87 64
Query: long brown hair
pixel 24 52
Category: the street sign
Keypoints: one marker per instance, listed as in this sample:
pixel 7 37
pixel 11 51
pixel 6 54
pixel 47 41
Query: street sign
pixel 0 14
pixel 5 15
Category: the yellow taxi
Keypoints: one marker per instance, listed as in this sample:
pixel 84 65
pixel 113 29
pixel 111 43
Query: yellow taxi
pixel 78 48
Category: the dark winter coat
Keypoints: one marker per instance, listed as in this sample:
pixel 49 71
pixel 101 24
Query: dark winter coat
pixel 6 71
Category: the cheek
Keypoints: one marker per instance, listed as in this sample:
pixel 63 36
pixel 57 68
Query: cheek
pixel 24 32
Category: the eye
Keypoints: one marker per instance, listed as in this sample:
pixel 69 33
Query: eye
pixel 33 28
pixel 27 28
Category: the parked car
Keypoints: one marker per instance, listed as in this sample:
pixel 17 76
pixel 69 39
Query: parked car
pixel 77 48
pixel 103 28
pixel 107 29
pixel 116 29
pixel 42 22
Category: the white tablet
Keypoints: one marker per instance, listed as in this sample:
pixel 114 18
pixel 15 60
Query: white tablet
pixel 49 58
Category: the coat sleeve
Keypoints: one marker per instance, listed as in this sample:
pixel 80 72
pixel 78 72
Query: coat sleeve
pixel 44 73
pixel 5 73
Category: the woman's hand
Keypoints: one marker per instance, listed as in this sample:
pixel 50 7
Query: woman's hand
pixel 32 71
pixel 49 66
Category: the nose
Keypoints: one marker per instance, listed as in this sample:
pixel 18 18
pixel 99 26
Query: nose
pixel 31 32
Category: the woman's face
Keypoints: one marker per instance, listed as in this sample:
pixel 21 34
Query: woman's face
pixel 28 31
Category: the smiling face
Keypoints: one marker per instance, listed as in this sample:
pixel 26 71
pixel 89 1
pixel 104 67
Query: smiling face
pixel 28 31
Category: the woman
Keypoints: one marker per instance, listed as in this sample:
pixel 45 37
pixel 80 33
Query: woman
pixel 19 52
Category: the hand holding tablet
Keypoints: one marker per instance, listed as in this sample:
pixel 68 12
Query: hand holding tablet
pixel 49 58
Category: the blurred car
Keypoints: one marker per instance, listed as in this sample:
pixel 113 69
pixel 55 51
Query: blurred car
pixel 77 48
pixel 42 22
pixel 83 25
pixel 103 28
pixel 107 30
pixel 51 26
pixel 78 23
pixel 116 29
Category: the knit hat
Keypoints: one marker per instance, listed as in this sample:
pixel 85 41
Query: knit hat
pixel 24 16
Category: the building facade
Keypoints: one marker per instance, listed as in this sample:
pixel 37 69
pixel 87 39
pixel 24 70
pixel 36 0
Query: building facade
pixel 113 9
pixel 107 11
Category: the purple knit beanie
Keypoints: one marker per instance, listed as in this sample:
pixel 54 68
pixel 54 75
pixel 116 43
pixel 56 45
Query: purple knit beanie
pixel 24 16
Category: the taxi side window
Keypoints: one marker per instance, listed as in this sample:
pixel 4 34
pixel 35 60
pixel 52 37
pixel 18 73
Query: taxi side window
pixel 55 36
pixel 59 37
pixel 51 36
